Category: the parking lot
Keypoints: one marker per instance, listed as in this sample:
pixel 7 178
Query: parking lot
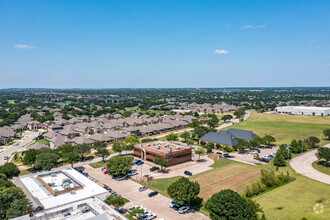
pixel 249 158
pixel 193 166
pixel 129 189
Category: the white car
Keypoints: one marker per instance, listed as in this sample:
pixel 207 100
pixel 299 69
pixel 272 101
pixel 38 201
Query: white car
pixel 183 209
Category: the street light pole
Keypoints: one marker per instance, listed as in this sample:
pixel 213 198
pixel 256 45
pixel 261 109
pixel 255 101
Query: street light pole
pixel 320 140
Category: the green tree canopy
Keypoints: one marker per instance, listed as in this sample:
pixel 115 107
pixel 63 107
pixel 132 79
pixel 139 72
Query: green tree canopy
pixel 172 137
pixel 10 170
pixel 46 161
pixel 183 190
pixel 131 140
pixel 30 157
pixel 269 139
pixel 119 165
pixel 194 124
pixel 71 158
pixel 185 135
pixel 116 201
pixel 118 146
pixel 82 150
pixel 326 132
pixel 312 141
pixel 228 204
pixel 323 153
pixel 160 161
pixel 199 151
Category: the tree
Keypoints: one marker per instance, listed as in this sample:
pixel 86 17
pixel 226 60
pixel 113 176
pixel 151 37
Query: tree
pixel 226 117
pixel 269 139
pixel 279 160
pixel 116 201
pixel 323 153
pixel 199 151
pixel 228 204
pixel 200 131
pixel 8 196
pixel 240 112
pixel 213 122
pixel 101 150
pixel 82 149
pixel 257 157
pixel 119 165
pixel 312 141
pixel 185 135
pixel 71 158
pixel 160 161
pixel 268 177
pixel 131 140
pixel 10 170
pixel 326 132
pixel 18 208
pixel 65 148
pixel 118 146
pixel 242 145
pixel 46 161
pixel 194 124
pixel 183 191
pixel 172 137
pixel 30 157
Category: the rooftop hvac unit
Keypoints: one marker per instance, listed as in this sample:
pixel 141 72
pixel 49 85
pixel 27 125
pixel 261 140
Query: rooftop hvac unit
pixel 51 184
pixel 158 147
pixel 178 148
pixel 54 175
pixel 170 150
pixel 73 192
pixel 148 145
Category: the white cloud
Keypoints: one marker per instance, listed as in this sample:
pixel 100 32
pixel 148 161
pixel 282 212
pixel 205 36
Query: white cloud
pixel 250 26
pixel 312 41
pixel 221 51
pixel 23 46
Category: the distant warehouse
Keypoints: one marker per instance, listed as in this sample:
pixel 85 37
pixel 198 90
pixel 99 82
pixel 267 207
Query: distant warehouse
pixel 303 110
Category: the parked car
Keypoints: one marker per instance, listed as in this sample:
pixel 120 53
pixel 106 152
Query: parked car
pixel 265 159
pixel 107 188
pixel 142 188
pixel 132 172
pixel 225 155
pixel 253 151
pixel 152 194
pixel 183 209
pixel 172 204
pixel 5 157
pixel 85 174
pixel 176 207
pixel 140 163
pixel 187 173
pixel 120 177
pixel 148 216
pixel 106 171
pixel 113 193
pixel 136 161
pixel 219 153
pixel 103 169
pixel 153 169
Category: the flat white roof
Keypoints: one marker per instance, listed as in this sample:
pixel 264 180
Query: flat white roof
pixel 96 207
pixel 304 107
pixel 48 200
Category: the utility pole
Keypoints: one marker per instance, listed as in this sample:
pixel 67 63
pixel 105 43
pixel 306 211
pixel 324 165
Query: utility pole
pixel 288 153
pixel 320 140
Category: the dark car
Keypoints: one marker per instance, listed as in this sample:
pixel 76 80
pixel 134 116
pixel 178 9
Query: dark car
pixel 187 173
pixel 152 194
pixel 153 169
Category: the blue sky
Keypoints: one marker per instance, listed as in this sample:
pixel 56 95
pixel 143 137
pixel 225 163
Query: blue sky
pixel 164 43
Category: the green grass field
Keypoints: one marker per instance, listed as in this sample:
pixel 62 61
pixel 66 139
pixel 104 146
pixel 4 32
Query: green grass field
pixel 11 101
pixel 319 165
pixel 285 127
pixel 296 200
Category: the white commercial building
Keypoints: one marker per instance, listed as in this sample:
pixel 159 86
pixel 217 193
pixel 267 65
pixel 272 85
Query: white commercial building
pixel 303 110
pixel 66 194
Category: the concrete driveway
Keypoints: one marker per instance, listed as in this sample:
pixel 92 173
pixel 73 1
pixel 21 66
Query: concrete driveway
pixel 249 158
pixel 28 137
pixel 303 165
pixel 129 189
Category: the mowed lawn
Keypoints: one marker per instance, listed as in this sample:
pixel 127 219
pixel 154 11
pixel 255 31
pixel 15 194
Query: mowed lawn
pixel 234 175
pixel 297 200
pixel 285 127
pixel 227 174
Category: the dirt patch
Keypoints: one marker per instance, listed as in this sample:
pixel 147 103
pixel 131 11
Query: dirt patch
pixel 235 177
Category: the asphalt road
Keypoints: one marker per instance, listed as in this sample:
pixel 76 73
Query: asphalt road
pixel 28 137
pixel 303 165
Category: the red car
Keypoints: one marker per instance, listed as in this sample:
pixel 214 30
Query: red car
pixel 106 171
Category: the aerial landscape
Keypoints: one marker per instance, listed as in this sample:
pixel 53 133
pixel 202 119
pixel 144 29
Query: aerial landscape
pixel 121 110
